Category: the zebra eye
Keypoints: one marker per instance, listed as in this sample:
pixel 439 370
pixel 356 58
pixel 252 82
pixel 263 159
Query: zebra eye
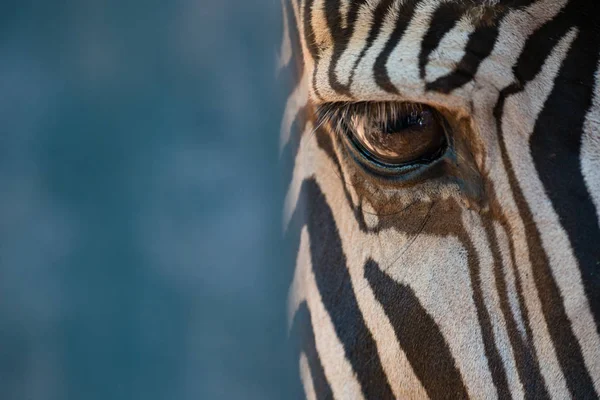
pixel 401 138
pixel 392 136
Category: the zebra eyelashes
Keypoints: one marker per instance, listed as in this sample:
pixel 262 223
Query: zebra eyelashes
pixel 388 138
pixel 407 143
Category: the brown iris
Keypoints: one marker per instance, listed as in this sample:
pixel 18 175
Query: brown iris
pixel 397 133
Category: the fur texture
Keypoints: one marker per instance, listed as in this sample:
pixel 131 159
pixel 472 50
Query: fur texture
pixel 481 281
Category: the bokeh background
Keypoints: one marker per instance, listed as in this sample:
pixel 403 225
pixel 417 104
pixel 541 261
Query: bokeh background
pixel 140 249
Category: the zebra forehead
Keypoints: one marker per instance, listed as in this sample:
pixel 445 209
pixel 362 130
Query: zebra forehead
pixel 416 50
pixel 328 22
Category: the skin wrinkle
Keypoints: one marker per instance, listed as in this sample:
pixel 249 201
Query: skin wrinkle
pixel 460 237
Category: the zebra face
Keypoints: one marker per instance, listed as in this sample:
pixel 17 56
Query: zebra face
pixel 445 197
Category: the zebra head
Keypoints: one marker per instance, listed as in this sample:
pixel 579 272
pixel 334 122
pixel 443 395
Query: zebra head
pixel 445 197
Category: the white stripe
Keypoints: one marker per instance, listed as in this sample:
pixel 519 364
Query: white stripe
pixel 364 84
pixel 515 29
pixel 407 50
pixel 590 148
pixel 590 167
pixel 306 377
pixel 344 8
pixel 306 56
pixel 497 71
pixel 358 41
pixel 304 166
pixel 450 50
pixel 297 291
pixel 509 277
pixel 324 39
pixel 295 102
pixel 285 52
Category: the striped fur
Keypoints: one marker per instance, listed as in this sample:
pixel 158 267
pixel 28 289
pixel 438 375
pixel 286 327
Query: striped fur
pixel 486 285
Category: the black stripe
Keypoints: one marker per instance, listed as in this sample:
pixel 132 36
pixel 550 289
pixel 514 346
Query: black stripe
pixel 515 3
pixel 443 20
pixel 380 72
pixel 337 292
pixel 419 336
pixel 311 42
pixel 341 37
pixel 378 17
pixel 309 33
pixel 479 46
pixel 340 40
pixel 334 20
pixel 538 46
pixel 302 333
pixel 494 361
pixel 523 351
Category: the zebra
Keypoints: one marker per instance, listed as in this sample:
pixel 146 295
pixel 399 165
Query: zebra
pixel 443 198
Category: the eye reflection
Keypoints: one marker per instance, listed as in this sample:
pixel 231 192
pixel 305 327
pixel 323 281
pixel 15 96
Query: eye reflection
pixel 392 134
pixel 401 137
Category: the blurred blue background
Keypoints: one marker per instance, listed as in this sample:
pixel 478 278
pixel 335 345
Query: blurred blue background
pixel 140 253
